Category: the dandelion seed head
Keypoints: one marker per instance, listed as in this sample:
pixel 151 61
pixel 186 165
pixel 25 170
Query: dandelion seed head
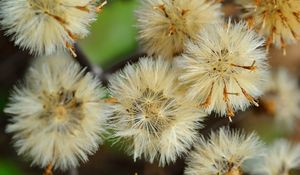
pixel 46 26
pixel 284 94
pixel 224 153
pixel 164 25
pixel 150 115
pixel 225 68
pixel 282 157
pixel 278 20
pixel 57 115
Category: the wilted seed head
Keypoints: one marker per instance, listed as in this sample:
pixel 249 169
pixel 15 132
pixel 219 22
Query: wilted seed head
pixel 282 158
pixel 156 122
pixel 224 153
pixel 164 25
pixel 57 115
pixel 225 68
pixel 282 98
pixel 278 20
pixel 46 26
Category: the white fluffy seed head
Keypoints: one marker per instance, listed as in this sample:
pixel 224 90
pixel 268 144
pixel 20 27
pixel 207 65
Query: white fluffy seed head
pixel 278 20
pixel 282 157
pixel 283 93
pixel 164 25
pixel 224 153
pixel 225 69
pixel 153 120
pixel 57 115
pixel 46 26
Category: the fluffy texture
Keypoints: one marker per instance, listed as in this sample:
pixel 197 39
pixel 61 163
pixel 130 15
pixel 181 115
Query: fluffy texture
pixel 225 69
pixel 282 158
pixel 153 120
pixel 164 25
pixel 46 26
pixel 57 115
pixel 278 20
pixel 283 98
pixel 224 153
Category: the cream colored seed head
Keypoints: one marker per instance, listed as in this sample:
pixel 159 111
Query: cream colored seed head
pixel 47 26
pixel 57 115
pixel 156 122
pixel 282 157
pixel 225 69
pixel 277 20
pixel 224 153
pixel 283 94
pixel 164 25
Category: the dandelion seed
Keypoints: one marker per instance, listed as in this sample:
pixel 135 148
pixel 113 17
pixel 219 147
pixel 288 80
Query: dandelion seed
pixel 164 25
pixel 278 20
pixel 224 153
pixel 225 68
pixel 57 116
pixel 153 120
pixel 282 157
pixel 47 26
pixel 283 98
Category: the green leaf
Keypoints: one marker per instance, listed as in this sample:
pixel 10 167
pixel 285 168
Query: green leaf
pixel 113 35
pixel 7 167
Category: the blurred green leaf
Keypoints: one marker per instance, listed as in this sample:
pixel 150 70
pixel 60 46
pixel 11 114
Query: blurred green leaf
pixel 113 34
pixel 9 168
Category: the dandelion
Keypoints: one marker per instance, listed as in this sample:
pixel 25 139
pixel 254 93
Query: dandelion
pixel 225 153
pixel 164 25
pixel 225 68
pixel 282 158
pixel 149 115
pixel 283 98
pixel 57 118
pixel 278 20
pixel 47 26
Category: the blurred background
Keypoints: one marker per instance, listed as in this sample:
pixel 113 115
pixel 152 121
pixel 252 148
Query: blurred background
pixel 112 44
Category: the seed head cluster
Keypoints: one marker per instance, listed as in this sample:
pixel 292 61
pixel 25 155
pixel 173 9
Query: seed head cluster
pixel 57 118
pixel 282 158
pixel 153 120
pixel 283 97
pixel 47 26
pixel 165 25
pixel 277 20
pixel 224 153
pixel 225 68
pixel 196 65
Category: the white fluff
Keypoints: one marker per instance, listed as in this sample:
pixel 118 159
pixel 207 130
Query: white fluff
pixel 277 20
pixel 224 153
pixel 46 26
pixel 282 157
pixel 57 115
pixel 225 69
pixel 153 120
pixel 284 93
pixel 164 25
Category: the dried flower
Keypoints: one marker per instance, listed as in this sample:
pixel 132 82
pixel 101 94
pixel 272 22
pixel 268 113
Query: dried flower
pixel 149 115
pixel 164 25
pixel 224 153
pixel 278 20
pixel 46 26
pixel 282 157
pixel 225 68
pixel 282 98
pixel 57 115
